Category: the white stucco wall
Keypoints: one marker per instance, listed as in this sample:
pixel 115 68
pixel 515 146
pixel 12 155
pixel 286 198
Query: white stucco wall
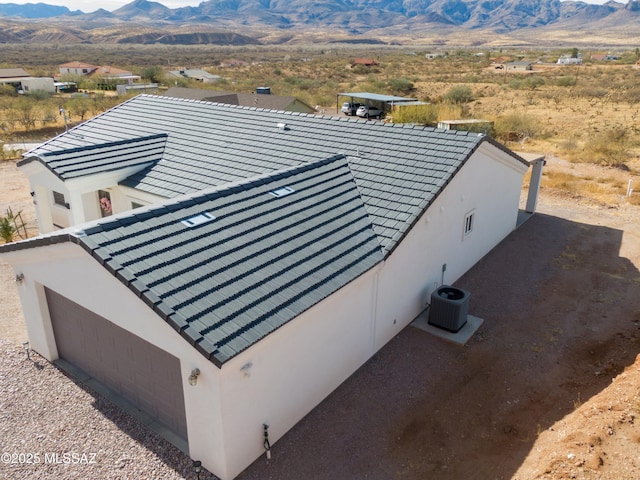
pixel 486 186
pixel 293 369
pixel 281 378
pixel 68 269
pixel 80 193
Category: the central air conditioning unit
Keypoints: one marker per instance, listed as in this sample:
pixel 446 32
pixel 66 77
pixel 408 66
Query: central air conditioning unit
pixel 449 308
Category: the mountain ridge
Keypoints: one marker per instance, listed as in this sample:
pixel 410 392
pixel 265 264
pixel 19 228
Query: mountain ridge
pixel 251 21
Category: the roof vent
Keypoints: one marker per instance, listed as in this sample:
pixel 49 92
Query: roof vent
pixel 283 127
pixel 198 219
pixel 282 192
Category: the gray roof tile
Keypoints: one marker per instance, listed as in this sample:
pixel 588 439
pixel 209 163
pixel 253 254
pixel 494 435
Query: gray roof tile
pixel 207 144
pixel 265 259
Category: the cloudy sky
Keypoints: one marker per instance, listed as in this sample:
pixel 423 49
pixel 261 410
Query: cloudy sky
pixel 110 5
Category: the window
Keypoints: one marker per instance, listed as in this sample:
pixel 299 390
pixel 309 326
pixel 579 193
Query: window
pixel 282 192
pixel 58 199
pixel 105 203
pixel 198 219
pixel 468 224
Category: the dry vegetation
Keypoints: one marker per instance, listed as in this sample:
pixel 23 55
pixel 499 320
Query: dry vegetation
pixel 585 114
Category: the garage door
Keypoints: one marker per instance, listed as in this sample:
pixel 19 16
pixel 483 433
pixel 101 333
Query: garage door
pixel 142 373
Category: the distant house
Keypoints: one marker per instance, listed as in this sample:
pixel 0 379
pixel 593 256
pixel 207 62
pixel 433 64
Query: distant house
pixel 42 84
pixel 566 60
pixel 195 74
pixel 258 100
pixel 365 62
pixel 8 75
pixel 604 57
pixel 76 68
pixel 227 267
pixel 25 83
pixel 107 75
pixel 519 66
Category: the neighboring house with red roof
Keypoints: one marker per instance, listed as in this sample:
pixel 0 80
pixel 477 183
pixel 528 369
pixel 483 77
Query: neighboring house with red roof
pixel 366 62
pixel 107 74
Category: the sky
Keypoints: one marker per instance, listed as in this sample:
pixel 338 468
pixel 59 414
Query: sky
pixel 92 5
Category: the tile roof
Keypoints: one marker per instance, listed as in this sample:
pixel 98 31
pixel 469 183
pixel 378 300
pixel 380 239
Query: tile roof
pixel 229 266
pixel 399 169
pixel 273 102
pixel 13 73
pixel 82 161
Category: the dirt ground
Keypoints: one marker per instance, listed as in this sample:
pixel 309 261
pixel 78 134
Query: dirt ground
pixel 548 388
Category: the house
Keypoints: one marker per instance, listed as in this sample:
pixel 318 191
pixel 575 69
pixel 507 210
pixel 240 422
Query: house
pixel 32 84
pixel 12 75
pixel 106 75
pixel 225 268
pixel 195 74
pixel 522 65
pixel 258 100
pixel 25 83
pixel 567 60
pixel 76 68
pixel 604 57
pixel 365 62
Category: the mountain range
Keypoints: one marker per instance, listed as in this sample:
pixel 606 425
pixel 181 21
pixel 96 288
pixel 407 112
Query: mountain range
pixel 282 21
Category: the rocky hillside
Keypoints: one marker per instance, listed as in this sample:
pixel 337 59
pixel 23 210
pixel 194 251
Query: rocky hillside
pixel 207 22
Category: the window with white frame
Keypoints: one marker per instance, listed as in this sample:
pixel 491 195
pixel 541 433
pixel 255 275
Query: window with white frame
pixel 469 220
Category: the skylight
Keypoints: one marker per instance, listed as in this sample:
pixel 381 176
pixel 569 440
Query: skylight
pixel 198 219
pixel 282 192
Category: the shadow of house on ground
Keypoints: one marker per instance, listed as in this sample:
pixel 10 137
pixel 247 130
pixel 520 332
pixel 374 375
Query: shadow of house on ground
pixel 561 311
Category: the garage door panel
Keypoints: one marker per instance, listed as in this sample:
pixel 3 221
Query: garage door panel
pixel 142 373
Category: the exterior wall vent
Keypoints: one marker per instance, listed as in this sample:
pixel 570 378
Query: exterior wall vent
pixel 198 219
pixel 449 308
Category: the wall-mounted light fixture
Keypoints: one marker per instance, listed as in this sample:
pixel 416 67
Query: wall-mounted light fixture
pixel 20 278
pixel 193 378
pixel 197 467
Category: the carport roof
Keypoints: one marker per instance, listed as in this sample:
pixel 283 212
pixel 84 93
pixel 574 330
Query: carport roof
pixel 377 97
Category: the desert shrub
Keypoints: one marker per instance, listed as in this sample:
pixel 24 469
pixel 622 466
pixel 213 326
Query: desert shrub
pixel 418 114
pixel 566 81
pixel 533 82
pixel 39 95
pixel 8 91
pixel 609 147
pixel 401 86
pixel 517 126
pixel 458 95
pixel 7 230
pixel 154 74
pixel 591 91
pixel 516 83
